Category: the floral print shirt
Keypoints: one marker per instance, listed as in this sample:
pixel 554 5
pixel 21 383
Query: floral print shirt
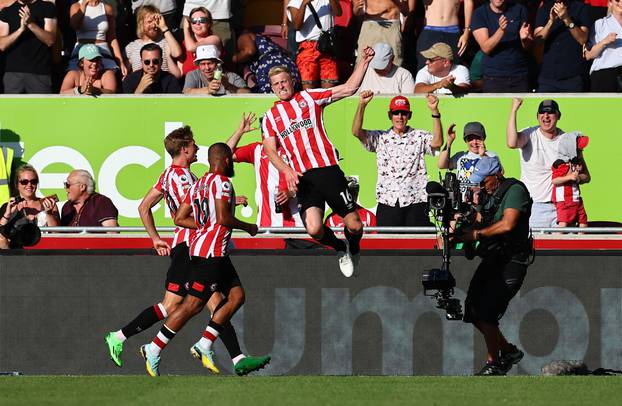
pixel 402 175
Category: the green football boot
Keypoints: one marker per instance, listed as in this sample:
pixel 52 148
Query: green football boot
pixel 249 364
pixel 115 348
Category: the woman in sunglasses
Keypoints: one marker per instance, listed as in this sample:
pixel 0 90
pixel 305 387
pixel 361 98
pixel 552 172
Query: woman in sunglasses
pixel 197 31
pixel 43 210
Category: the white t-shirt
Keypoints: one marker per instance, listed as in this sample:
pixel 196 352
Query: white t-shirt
pixel 461 73
pixel 309 30
pixel 537 154
pixel 398 81
pixel 220 9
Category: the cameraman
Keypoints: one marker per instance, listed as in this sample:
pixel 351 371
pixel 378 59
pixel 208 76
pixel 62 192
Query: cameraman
pixel 40 211
pixel 504 245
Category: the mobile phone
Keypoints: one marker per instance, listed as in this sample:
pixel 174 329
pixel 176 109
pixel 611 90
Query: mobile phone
pixel 53 197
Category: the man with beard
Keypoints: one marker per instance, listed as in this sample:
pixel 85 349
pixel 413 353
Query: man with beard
pixel 400 157
pixel 539 147
pixel 151 79
pixel 208 208
pixel 505 247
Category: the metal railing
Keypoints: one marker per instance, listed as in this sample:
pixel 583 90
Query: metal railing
pixel 301 230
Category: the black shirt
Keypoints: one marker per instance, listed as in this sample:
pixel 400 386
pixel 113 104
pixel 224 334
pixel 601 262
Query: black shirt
pixel 166 83
pixel 563 55
pixel 28 54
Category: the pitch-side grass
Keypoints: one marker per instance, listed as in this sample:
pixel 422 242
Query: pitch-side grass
pixel 309 390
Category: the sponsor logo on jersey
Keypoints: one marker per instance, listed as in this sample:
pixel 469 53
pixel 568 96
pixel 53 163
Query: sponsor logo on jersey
pixel 304 124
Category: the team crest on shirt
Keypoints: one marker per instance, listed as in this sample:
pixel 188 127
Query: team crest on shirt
pixel 303 104
pixel 213 287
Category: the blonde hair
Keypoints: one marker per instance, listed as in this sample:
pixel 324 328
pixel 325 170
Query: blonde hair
pixel 141 15
pixel 275 70
pixel 18 173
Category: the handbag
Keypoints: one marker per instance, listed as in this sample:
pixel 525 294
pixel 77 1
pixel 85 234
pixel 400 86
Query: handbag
pixel 327 43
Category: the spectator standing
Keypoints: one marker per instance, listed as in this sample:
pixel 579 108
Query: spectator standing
pixel 151 27
pixel 502 31
pixel 90 78
pixel 566 193
pixel 27 33
pixel 94 23
pixel 382 22
pixel 605 48
pixel 288 32
pixel 539 149
pixel 205 79
pixel 440 75
pixel 464 161
pixel 259 54
pixel 400 152
pixel 151 79
pixel 386 77
pixel 442 24
pixel 563 27
pixel 317 69
pixel 84 206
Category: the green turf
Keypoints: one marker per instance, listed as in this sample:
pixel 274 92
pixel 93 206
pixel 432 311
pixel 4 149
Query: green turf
pixel 309 390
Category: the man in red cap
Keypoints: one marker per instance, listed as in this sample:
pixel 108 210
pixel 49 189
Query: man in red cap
pixel 400 153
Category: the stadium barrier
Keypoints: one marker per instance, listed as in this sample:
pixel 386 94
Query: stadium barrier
pixel 56 307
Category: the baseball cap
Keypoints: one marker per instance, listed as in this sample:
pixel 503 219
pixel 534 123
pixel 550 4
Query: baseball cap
pixel 486 166
pixel 474 128
pixel 548 106
pixel 207 52
pixel 440 49
pixel 399 103
pixel 382 56
pixel 89 51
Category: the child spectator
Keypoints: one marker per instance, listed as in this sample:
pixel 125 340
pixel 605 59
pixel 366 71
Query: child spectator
pixel 565 177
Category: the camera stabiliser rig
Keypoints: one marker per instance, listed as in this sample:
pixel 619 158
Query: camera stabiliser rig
pixel 444 200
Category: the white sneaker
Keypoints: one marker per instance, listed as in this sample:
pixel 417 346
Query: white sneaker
pixel 346 264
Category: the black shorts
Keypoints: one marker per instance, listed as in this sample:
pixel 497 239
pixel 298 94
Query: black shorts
pixel 494 284
pixel 209 275
pixel 325 185
pixel 179 271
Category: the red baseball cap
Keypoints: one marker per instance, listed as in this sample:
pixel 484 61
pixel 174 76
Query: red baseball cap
pixel 399 103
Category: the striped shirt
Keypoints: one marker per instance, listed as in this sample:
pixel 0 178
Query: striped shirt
pixel 211 239
pixel 268 180
pixel 174 183
pixel 567 192
pixel 299 128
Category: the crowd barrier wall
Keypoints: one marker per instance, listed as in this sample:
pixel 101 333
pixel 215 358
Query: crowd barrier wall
pixel 119 139
pixel 56 309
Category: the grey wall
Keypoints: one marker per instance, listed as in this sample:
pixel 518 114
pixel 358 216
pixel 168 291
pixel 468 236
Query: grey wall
pixel 55 311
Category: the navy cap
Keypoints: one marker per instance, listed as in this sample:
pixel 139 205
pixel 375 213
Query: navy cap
pixel 474 128
pixel 548 106
pixel 486 166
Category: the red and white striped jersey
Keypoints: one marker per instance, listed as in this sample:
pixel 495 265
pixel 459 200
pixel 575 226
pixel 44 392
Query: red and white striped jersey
pixel 367 217
pixel 174 183
pixel 568 192
pixel 267 180
pixel 298 126
pixel 211 239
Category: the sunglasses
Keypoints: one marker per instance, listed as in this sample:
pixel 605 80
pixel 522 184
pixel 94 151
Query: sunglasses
pixel 472 137
pixel 148 62
pixel 33 182
pixel 200 20
pixel 67 184
pixel 400 112
pixel 438 58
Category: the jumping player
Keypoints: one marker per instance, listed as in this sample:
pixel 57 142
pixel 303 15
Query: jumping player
pixel 295 123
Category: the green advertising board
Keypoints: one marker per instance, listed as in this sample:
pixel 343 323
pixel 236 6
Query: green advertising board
pixel 119 139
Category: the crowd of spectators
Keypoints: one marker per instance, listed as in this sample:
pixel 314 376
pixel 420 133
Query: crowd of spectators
pixel 448 46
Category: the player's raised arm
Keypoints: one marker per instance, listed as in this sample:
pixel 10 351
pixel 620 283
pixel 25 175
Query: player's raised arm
pixel 354 81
